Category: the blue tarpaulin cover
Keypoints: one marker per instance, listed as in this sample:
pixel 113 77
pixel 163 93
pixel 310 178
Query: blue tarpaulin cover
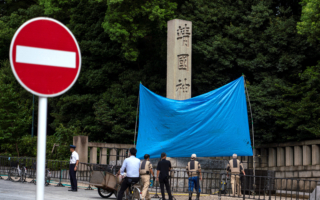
pixel 209 125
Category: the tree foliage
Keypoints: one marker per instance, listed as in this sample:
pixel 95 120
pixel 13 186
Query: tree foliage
pixel 128 21
pixel 310 20
pixel 124 42
pixel 15 108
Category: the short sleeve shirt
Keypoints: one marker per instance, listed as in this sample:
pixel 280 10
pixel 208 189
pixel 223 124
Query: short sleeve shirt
pixel 164 166
pixel 74 157
pixel 150 165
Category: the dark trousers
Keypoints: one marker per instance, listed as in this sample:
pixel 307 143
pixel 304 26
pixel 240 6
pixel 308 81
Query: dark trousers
pixel 165 182
pixel 125 184
pixel 73 179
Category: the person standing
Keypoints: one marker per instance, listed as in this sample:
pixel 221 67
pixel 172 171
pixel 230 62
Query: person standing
pixel 74 162
pixel 235 167
pixel 163 168
pixel 194 172
pixel 132 166
pixel 145 171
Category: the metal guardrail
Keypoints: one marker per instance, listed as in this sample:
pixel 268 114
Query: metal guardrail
pixel 59 169
pixel 213 183
pixel 252 187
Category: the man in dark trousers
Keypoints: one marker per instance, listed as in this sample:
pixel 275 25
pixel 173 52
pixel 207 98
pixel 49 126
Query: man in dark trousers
pixel 163 168
pixel 132 166
pixel 74 162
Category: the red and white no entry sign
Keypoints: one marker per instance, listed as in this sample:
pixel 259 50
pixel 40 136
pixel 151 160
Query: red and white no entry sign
pixel 45 57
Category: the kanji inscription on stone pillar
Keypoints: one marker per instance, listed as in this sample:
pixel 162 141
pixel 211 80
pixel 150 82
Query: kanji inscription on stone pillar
pixel 179 46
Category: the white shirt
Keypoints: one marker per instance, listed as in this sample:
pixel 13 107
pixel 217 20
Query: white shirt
pixel 74 157
pixel 132 164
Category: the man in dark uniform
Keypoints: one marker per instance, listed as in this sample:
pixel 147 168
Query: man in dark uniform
pixel 74 162
pixel 163 168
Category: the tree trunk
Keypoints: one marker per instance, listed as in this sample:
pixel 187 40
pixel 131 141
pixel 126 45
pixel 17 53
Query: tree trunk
pixel 17 149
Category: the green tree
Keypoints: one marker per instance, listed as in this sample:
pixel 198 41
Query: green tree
pixel 310 20
pixel 257 38
pixel 11 22
pixel 104 99
pixel 128 21
pixel 124 42
pixel 300 107
pixel 9 6
pixel 15 108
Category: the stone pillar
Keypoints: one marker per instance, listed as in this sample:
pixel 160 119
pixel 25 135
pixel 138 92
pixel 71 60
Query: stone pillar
pixel 263 158
pixel 122 156
pixel 289 156
pixel 250 162
pixel 112 157
pixel 179 46
pixel 315 154
pixel 245 160
pixel 257 160
pixel 81 143
pixel 306 155
pixel 93 155
pixel 280 156
pixel 272 158
pixel 103 156
pixel 297 155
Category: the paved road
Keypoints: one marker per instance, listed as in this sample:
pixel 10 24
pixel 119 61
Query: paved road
pixel 26 191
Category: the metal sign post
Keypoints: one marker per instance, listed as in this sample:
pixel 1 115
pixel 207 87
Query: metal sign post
pixel 41 146
pixel 45 58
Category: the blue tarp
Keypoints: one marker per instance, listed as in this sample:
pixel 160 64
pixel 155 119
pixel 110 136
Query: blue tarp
pixel 209 125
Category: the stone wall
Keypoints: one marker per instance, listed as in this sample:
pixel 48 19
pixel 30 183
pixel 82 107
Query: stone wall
pixel 206 163
pixel 291 160
pixel 114 154
pixel 109 153
pixel 288 160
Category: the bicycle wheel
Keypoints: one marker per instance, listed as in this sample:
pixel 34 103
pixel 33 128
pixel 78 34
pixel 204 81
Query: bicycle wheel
pixel 104 193
pixel 125 195
pixel 136 195
pixel 23 175
pixel 118 186
pixel 15 175
pixel 47 178
pixel 47 181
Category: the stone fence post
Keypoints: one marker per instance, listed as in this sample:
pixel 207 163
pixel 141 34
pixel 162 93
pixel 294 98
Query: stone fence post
pixel 81 143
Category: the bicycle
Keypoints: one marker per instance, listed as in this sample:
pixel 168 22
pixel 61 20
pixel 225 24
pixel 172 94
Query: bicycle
pixel 132 193
pixel 16 174
pixel 46 178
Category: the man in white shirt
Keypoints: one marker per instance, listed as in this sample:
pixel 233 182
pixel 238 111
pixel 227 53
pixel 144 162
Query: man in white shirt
pixel 74 162
pixel 132 166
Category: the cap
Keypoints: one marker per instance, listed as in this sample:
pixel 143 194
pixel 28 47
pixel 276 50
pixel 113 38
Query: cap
pixel 72 146
pixel 193 156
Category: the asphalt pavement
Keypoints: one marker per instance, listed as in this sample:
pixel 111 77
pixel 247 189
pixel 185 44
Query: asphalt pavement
pixel 26 191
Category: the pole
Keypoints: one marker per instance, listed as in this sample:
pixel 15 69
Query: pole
pixel 252 129
pixel 41 147
pixel 135 129
pixel 32 116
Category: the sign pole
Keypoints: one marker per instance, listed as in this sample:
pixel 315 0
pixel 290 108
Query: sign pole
pixel 32 116
pixel 41 146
